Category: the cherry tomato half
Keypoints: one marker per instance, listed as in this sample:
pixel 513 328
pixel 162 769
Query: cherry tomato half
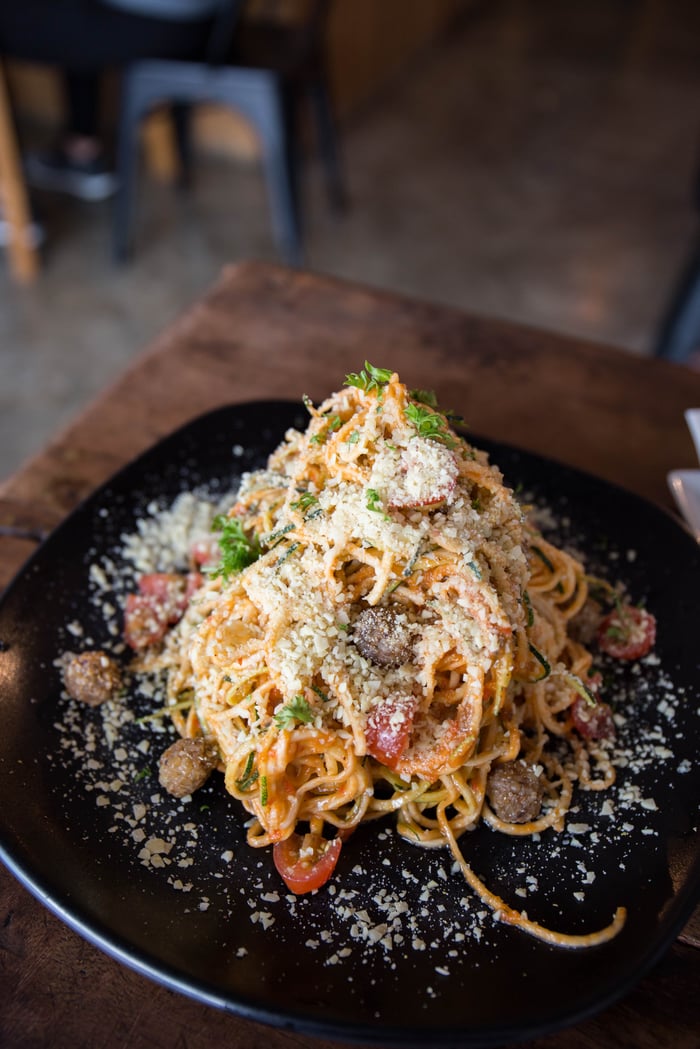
pixel 160 603
pixel 627 632
pixel 307 861
pixel 167 592
pixel 389 728
pixel 144 622
pixel 592 722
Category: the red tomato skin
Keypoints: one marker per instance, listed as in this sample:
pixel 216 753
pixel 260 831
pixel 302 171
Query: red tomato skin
pixel 299 875
pixel 160 603
pixel 389 728
pixel 167 590
pixel 204 553
pixel 436 499
pixel 193 581
pixel 144 624
pixel 629 635
pixel 592 722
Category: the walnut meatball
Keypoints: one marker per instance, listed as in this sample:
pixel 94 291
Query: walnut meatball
pixel 515 792
pixel 186 765
pixel 383 637
pixel 92 677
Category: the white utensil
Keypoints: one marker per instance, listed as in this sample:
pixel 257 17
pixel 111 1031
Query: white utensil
pixel 685 484
pixel 685 487
pixel 692 417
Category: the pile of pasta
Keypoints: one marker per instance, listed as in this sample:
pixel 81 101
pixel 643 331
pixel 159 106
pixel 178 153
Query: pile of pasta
pixel 383 632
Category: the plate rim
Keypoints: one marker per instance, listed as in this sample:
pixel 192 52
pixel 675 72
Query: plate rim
pixel 680 906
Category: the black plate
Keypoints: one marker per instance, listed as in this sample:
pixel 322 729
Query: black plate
pixel 348 962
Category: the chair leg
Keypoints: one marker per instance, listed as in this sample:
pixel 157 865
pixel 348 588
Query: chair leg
pixel 272 119
pixel 181 114
pixel 679 336
pixel 22 253
pixel 127 164
pixel 328 144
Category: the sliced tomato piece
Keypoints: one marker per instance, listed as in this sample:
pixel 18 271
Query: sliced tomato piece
pixel 389 727
pixel 307 861
pixel 193 581
pixel 627 632
pixel 205 551
pixel 592 722
pixel 166 589
pixel 160 603
pixel 427 476
pixel 144 622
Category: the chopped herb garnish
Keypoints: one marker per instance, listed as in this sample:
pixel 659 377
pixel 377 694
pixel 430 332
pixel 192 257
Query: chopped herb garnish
pixel 530 615
pixel 304 502
pixel 407 828
pixel 430 425
pixel 370 378
pixel 320 693
pixel 374 503
pixel 543 557
pixel 542 661
pixel 269 539
pixel 237 549
pixel 296 710
pixel 475 569
pixel 142 774
pixel 424 397
pixel 408 570
pixel 353 438
pixel 183 704
pixel 578 685
pixel 287 553
pixel 395 781
pixel 250 775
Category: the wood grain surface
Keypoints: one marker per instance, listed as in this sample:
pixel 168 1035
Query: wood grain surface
pixel 265 332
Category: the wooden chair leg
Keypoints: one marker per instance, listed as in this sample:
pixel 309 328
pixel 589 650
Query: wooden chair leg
pixel 23 255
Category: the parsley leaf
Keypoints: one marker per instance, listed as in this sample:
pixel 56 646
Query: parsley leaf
pixel 430 424
pixel 370 378
pixel 250 774
pixel 424 397
pixel 334 424
pixel 296 710
pixel 305 501
pixel 237 549
pixel 374 501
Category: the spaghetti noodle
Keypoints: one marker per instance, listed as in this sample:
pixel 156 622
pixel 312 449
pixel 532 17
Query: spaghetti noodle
pixel 386 633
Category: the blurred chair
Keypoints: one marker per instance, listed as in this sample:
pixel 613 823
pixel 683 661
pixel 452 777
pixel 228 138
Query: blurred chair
pixel 678 335
pixel 20 233
pixel 261 70
pixel 678 338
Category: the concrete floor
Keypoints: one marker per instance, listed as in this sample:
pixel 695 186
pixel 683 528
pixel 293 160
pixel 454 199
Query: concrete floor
pixel 537 166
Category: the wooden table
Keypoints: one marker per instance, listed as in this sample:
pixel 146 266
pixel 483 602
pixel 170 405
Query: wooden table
pixel 266 332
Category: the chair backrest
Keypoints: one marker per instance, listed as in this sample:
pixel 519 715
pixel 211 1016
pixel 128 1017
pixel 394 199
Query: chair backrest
pixel 223 27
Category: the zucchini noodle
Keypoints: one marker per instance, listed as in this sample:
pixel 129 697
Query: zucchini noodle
pixel 403 633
